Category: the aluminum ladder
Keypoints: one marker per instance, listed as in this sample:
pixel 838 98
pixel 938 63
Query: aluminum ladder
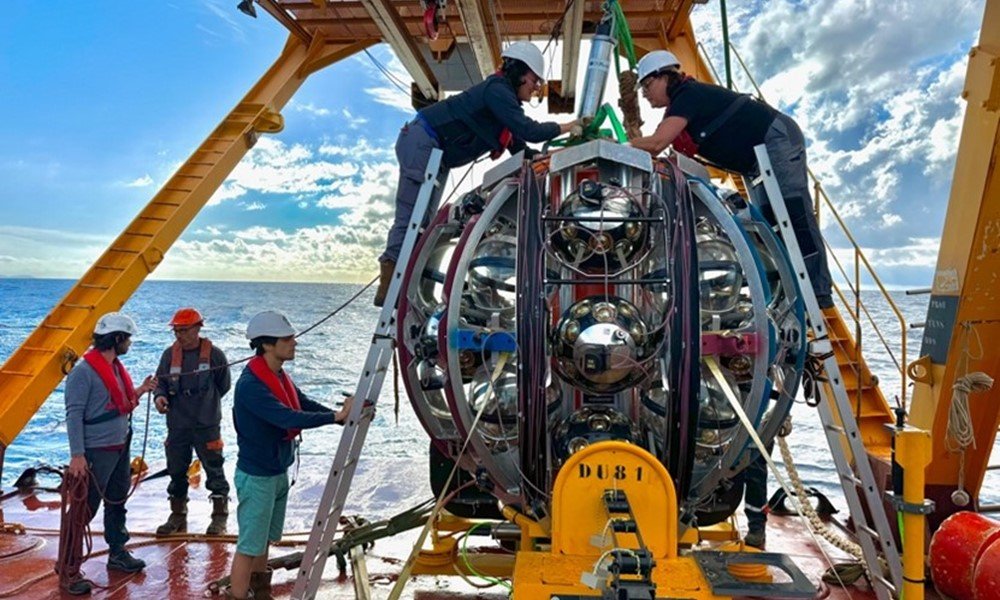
pixel 846 444
pixel 355 430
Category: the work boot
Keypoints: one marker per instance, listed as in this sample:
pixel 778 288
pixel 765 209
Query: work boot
pixel 177 521
pixel 386 269
pixel 220 514
pixel 227 593
pixel 755 538
pixel 123 561
pixel 77 587
pixel 260 585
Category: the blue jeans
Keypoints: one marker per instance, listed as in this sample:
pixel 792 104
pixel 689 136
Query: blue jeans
pixel 413 151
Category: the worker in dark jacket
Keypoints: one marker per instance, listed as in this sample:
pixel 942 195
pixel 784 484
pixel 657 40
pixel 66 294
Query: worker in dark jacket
pixel 269 412
pixel 723 127
pixel 100 398
pixel 193 377
pixel 488 117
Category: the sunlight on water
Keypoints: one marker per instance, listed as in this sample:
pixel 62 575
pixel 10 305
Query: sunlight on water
pixel 392 474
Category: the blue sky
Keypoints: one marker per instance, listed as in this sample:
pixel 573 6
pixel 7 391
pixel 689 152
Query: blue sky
pixel 102 101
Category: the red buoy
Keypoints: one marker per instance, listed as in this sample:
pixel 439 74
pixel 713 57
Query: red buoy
pixel 986 579
pixel 957 548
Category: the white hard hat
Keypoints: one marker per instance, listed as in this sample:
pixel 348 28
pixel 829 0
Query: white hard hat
pixel 654 62
pixel 269 323
pixel 115 322
pixel 529 54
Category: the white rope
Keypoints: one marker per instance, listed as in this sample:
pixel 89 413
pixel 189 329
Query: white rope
pixel 961 435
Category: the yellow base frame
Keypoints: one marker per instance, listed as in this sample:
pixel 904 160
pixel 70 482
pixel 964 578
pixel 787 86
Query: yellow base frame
pixel 579 519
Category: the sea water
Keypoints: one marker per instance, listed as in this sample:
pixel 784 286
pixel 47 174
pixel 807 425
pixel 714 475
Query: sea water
pixel 392 475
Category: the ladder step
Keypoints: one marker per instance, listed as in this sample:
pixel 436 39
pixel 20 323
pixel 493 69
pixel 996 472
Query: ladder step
pixel 37 349
pixel 16 373
pixel 157 219
pixel 175 189
pixel 92 286
pixel 162 203
pixel 106 268
pixel 59 327
pixel 82 306
pixel 124 250
pixel 138 234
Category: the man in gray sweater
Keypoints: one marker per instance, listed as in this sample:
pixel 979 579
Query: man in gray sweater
pixel 100 399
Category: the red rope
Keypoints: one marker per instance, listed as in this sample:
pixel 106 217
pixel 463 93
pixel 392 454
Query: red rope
pixel 74 529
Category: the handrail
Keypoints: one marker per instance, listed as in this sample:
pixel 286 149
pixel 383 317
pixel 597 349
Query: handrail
pixel 820 198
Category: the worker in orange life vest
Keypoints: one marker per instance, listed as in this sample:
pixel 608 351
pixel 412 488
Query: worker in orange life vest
pixel 486 118
pixel 100 398
pixel 193 378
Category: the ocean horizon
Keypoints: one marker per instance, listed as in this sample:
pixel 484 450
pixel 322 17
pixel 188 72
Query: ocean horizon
pixel 393 472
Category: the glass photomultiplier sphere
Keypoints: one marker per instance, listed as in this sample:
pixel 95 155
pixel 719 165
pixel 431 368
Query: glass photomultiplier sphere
pixel 600 236
pixel 600 343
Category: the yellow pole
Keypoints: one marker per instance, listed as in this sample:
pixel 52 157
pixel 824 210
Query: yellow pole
pixel 913 452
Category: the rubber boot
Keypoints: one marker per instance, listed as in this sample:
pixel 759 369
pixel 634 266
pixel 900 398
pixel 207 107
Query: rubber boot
pixel 386 269
pixel 260 584
pixel 756 538
pixel 227 593
pixel 177 521
pixel 220 514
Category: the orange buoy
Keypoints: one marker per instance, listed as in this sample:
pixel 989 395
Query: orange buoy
pixel 986 580
pixel 956 549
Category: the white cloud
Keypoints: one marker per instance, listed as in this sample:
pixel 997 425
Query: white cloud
pixel 143 181
pixel 253 206
pixel 273 167
pixel 352 121
pixel 309 108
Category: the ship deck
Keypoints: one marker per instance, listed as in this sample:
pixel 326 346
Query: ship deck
pixel 183 568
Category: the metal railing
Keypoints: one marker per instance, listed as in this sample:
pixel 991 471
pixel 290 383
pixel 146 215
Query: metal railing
pixel 860 264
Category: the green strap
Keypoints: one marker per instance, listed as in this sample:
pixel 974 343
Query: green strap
pixel 594 131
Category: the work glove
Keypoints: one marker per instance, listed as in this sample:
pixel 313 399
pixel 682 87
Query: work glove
pixel 576 130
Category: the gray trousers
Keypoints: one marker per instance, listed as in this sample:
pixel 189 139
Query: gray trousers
pixel 112 475
pixel 786 148
pixel 413 151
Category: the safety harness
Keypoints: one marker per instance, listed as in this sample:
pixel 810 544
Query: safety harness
pixel 177 360
pixel 687 143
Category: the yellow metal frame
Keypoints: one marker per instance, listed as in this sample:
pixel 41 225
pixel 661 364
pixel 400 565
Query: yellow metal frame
pixel 967 264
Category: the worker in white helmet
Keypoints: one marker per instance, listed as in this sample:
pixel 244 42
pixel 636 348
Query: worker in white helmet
pixel 486 118
pixel 722 127
pixel 269 413
pixel 100 398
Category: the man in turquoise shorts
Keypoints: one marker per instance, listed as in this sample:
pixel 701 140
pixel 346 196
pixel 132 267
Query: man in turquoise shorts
pixel 269 413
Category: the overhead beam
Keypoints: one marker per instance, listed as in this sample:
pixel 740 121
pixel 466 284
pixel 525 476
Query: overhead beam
pixel 572 37
pixel 286 19
pixel 485 47
pixel 395 34
pixel 679 19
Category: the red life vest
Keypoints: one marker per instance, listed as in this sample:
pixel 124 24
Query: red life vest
pixel 685 144
pixel 279 385
pixel 506 137
pixel 121 403
pixel 204 356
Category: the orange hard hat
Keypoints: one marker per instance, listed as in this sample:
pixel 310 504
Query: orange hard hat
pixel 186 317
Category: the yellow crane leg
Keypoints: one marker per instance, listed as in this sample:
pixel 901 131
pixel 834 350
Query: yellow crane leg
pixel 39 364
pixel 963 317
